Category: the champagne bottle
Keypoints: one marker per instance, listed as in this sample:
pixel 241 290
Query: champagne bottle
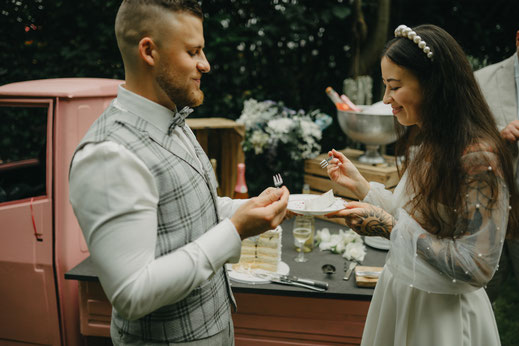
pixel 336 99
pixel 240 190
pixel 306 221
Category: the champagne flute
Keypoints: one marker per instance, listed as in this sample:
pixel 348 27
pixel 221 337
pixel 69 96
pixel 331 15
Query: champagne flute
pixel 301 234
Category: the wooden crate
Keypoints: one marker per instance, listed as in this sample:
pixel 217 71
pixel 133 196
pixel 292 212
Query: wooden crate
pixel 319 182
pixel 221 140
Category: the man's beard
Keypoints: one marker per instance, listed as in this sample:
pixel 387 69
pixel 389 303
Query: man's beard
pixel 179 95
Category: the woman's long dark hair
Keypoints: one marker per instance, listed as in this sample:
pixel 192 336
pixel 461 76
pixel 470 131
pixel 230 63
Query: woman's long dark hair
pixel 454 115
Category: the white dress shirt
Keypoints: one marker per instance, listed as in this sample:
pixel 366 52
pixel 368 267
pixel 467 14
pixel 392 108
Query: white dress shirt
pixel 123 247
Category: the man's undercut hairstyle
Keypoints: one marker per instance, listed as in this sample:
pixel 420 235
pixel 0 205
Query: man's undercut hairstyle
pixel 139 18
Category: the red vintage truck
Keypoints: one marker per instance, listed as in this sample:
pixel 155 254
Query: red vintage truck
pixel 41 122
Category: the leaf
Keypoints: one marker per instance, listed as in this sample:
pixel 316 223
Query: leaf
pixel 341 12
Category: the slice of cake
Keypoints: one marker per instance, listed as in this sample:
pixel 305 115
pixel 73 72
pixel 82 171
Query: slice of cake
pixel 264 253
pixel 321 202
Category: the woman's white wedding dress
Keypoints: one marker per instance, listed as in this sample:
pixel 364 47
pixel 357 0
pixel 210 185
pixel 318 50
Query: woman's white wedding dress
pixel 431 292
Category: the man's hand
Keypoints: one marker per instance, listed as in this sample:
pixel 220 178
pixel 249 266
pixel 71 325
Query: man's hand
pixel 261 213
pixel 511 131
pixel 366 219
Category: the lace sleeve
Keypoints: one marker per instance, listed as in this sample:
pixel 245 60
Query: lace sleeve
pixel 471 257
pixel 381 197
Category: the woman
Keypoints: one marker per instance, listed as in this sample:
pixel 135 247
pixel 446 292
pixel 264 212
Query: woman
pixel 448 216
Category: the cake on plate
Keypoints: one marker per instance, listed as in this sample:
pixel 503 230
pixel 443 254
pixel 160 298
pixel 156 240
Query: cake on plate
pixel 321 202
pixel 262 252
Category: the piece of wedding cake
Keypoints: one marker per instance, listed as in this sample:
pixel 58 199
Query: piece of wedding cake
pixel 261 253
pixel 321 202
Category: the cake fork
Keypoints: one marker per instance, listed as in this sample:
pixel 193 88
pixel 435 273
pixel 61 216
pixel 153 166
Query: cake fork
pixel 324 163
pixel 278 181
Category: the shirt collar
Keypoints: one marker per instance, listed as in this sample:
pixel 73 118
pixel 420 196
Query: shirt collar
pixel 158 115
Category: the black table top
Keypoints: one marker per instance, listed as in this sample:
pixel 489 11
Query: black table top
pixel 338 288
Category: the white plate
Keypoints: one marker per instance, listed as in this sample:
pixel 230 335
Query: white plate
pixel 296 204
pixel 380 243
pixel 246 278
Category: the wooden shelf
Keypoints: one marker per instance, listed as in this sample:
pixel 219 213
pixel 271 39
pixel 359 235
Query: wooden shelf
pixel 221 140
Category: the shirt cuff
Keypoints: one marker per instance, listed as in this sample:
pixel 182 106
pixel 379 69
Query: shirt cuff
pixel 221 244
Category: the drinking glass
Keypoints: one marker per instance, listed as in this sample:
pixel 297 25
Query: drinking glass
pixel 301 234
pixel 305 221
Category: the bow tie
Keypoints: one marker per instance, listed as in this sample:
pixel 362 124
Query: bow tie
pixel 179 119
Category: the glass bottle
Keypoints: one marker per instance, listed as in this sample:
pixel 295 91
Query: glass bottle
pixel 240 190
pixel 306 221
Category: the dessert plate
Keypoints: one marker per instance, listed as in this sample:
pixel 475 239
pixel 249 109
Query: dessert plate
pixel 296 204
pixel 380 243
pixel 249 278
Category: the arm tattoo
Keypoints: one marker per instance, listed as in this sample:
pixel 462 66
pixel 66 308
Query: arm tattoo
pixel 441 260
pixel 475 230
pixel 452 260
pixel 374 222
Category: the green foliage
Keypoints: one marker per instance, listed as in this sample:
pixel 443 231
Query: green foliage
pixel 48 39
pixel 23 133
pixel 287 50
pixel 274 50
pixel 284 50
pixel 485 29
pixel 505 309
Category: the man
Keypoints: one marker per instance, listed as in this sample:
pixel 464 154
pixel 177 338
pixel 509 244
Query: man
pixel 144 192
pixel 500 85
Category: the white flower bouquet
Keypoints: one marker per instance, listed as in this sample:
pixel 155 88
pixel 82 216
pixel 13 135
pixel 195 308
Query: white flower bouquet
pixel 348 243
pixel 278 140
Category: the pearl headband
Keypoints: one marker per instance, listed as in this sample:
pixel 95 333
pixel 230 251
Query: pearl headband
pixel 405 31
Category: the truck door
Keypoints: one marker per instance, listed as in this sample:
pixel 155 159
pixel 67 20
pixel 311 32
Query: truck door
pixel 28 303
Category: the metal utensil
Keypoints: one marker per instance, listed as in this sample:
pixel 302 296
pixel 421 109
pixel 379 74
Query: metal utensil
pixel 324 163
pixel 297 284
pixel 349 270
pixel 315 283
pixel 278 180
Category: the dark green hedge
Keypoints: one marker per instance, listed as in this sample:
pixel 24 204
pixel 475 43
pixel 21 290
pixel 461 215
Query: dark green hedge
pixel 287 50
pixel 283 50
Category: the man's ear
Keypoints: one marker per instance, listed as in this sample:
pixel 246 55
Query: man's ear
pixel 148 51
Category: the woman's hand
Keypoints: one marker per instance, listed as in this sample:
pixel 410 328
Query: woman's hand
pixel 343 171
pixel 366 219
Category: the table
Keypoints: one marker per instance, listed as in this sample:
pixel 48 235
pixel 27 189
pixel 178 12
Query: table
pixel 270 314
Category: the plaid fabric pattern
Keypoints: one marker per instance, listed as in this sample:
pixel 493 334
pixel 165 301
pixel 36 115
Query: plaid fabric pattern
pixel 186 210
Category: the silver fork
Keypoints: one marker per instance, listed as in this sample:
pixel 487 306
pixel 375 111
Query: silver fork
pixel 324 163
pixel 278 181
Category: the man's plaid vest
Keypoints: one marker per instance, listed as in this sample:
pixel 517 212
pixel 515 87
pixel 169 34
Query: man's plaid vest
pixel 186 210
